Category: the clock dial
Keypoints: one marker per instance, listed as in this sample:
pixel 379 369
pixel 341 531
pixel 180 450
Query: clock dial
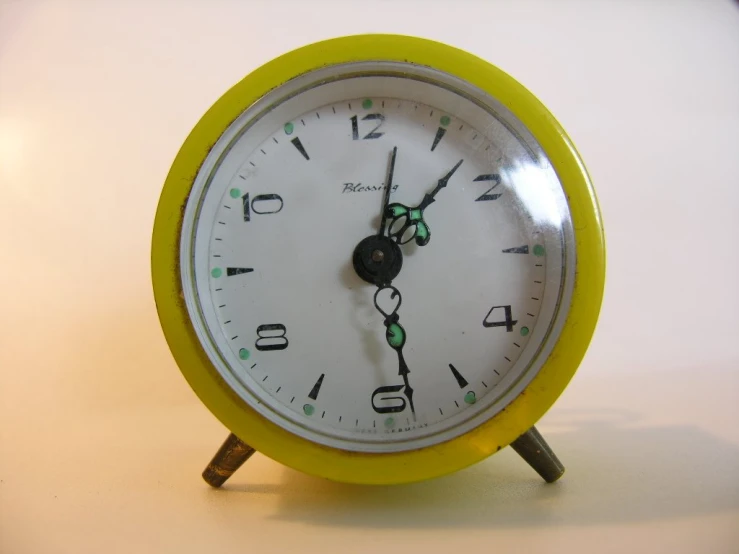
pixel 473 211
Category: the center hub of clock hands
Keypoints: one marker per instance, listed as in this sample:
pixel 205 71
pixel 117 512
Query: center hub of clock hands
pixel 377 260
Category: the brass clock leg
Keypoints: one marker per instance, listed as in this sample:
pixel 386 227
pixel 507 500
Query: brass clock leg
pixel 232 453
pixel 532 447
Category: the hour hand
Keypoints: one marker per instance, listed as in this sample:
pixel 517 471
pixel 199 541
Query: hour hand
pixel 405 218
pixel 395 337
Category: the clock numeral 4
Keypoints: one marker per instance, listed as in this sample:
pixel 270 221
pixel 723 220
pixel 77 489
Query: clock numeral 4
pixel 389 404
pixel 508 322
pixel 261 204
pixel 373 134
pixel 272 336
pixel 485 196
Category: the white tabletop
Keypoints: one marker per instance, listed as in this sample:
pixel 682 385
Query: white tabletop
pixel 102 441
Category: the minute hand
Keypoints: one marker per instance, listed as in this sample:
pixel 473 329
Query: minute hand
pixel 413 216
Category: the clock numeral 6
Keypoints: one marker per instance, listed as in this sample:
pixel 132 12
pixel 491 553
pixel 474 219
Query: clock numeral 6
pixel 272 336
pixel 508 323
pixel 270 204
pixel 373 134
pixel 390 404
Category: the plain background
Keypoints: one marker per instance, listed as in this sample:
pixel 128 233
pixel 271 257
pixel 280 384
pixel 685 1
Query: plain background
pixel 102 441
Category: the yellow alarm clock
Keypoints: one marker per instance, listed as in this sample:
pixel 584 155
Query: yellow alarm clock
pixel 378 259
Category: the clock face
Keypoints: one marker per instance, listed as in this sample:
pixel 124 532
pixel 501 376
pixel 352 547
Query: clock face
pixel 377 257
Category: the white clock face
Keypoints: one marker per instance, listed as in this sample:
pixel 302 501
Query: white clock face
pixel 290 190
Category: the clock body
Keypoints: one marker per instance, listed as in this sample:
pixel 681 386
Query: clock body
pixel 496 239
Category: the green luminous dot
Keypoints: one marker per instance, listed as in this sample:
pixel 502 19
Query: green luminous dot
pixel 216 272
pixel 244 354
pixel 366 103
pixel 395 336
pixel 445 120
pixel 470 397
pixel 389 422
pixel 289 128
pixel 308 409
pixel 415 214
pixel 524 331
pixel 538 250
pixel 235 193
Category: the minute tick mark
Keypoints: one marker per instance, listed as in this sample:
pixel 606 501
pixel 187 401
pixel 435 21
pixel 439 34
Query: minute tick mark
pixel 253 366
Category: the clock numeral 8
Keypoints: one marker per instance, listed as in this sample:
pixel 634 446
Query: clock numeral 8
pixel 391 404
pixel 508 323
pixel 271 337
pixel 270 204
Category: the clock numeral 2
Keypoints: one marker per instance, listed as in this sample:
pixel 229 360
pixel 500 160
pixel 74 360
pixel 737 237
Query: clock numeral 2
pixel 273 204
pixel 373 134
pixel 390 404
pixel 486 195
pixel 508 323
pixel 272 336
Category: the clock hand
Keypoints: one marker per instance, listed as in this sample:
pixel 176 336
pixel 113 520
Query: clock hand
pixel 388 188
pixel 413 216
pixel 377 258
pixel 395 337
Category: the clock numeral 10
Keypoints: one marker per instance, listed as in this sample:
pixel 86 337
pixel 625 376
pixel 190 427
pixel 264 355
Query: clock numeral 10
pixel 373 134
pixel 270 204
pixel 390 404
pixel 508 323
pixel 272 336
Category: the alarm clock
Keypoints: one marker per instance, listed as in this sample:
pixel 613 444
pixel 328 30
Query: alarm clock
pixel 378 259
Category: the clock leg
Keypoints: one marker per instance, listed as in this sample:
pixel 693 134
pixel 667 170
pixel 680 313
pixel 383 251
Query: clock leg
pixel 232 453
pixel 532 447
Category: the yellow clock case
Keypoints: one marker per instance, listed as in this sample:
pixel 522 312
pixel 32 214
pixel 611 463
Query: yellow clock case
pixel 401 467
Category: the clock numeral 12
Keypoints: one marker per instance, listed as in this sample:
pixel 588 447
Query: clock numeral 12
pixel 391 404
pixel 272 336
pixel 508 323
pixel 373 134
pixel 270 208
